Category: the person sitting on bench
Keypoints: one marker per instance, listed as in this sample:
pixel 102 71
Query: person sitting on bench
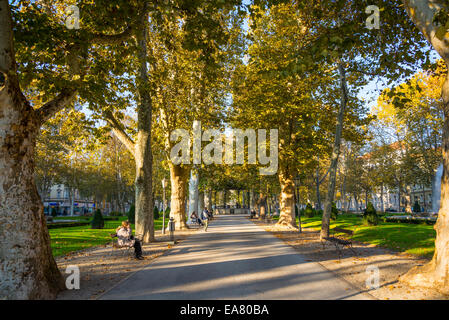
pixel 125 238
pixel 193 216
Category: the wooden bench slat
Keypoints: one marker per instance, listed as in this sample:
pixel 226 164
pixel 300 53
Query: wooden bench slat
pixel 337 240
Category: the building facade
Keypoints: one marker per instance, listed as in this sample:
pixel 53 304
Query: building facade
pixel 59 199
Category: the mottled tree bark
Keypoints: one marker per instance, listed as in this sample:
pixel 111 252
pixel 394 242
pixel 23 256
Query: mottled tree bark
pixel 178 178
pixel 287 217
pixel 27 267
pixel 262 202
pixel 209 200
pixel 436 273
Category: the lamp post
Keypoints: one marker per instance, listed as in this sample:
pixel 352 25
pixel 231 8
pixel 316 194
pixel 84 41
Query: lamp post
pixel 163 205
pixel 297 181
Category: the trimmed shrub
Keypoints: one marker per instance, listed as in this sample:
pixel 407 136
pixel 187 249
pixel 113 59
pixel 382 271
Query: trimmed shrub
pixel 132 214
pixel 53 212
pixel 156 213
pixel 115 214
pixel 409 221
pixel 66 224
pixel 370 216
pixel 111 218
pixel 319 212
pixel 97 221
pixel 416 207
pixel 334 211
pixel 309 212
pixel 296 211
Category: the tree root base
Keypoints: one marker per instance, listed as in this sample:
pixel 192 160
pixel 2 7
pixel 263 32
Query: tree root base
pixel 426 277
pixel 286 226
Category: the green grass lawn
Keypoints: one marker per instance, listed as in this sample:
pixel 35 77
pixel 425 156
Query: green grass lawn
pixel 416 239
pixel 65 240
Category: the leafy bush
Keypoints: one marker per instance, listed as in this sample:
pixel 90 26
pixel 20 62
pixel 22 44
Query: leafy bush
pixel 296 211
pixel 370 216
pixel 132 214
pixel 416 207
pixel 334 211
pixel 53 212
pixel 319 212
pixel 309 212
pixel 97 221
pixel 156 213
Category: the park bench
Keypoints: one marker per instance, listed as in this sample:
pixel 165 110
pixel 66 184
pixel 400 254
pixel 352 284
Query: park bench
pixel 338 242
pixel 116 246
pixel 194 222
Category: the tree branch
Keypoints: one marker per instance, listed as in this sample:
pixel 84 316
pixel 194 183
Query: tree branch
pixel 100 38
pixel 119 132
pixel 112 38
pixel 57 104
pixel 324 177
pixel 422 13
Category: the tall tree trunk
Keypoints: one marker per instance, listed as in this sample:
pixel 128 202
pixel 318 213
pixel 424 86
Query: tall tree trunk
pixel 408 200
pixel 208 199
pixel 262 205
pixel 193 192
pixel 27 267
pixel 225 193
pixel 335 153
pixel 424 198
pixel 143 154
pixel 200 202
pixel 382 209
pixel 436 273
pixel 287 216
pixel 343 194
pixel 178 178
pixel 252 199
pixel 356 202
pixel 317 189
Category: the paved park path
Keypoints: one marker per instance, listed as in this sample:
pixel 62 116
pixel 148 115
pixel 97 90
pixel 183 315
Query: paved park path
pixel 234 259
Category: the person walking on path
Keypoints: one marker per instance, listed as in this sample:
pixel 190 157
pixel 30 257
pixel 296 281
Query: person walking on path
pixel 205 219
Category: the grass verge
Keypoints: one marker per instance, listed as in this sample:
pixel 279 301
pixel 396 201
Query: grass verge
pixel 65 240
pixel 415 239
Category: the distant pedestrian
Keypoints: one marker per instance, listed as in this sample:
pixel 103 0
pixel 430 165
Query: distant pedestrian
pixel 205 219
pixel 211 216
